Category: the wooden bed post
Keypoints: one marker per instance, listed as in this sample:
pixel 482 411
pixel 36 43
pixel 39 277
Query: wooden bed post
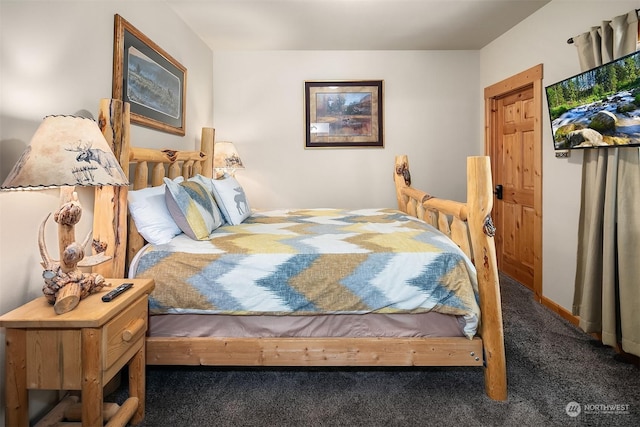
pixel 206 146
pixel 401 165
pixel 110 204
pixel 460 221
pixel 480 203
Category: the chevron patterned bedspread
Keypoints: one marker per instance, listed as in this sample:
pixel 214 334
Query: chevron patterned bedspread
pixel 313 261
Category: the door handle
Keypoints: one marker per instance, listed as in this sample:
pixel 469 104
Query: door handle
pixel 498 191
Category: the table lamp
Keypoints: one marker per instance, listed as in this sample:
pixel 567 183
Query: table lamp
pixel 67 151
pixel 226 158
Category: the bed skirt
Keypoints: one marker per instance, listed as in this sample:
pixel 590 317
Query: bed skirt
pixel 429 324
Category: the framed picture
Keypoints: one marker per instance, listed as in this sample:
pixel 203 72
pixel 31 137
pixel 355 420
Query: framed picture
pixel 149 79
pixel 343 114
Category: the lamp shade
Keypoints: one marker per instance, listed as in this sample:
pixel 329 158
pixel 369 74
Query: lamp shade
pixel 66 151
pixel 225 156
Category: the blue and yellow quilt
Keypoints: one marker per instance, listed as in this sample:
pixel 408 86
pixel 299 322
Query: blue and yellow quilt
pixel 313 261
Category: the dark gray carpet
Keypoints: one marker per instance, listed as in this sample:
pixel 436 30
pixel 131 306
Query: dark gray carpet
pixel 550 363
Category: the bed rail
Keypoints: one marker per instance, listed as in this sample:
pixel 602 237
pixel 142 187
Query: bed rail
pixel 448 216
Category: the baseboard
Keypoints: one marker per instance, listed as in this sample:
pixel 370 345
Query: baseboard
pixel 568 316
pixel 561 311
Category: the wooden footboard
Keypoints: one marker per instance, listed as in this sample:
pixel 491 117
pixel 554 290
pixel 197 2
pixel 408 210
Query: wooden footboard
pixel 468 224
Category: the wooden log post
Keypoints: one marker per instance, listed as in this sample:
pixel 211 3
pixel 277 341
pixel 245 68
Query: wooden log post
pixel 17 397
pixel 206 146
pixel 460 235
pixel 125 413
pixel 137 383
pixel 73 412
pixel 57 414
pixel 110 205
pixel 480 204
pixel 401 165
pixel 92 378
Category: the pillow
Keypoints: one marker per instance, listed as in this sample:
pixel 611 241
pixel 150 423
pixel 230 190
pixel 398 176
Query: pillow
pixel 193 208
pixel 231 199
pixel 151 215
pixel 204 181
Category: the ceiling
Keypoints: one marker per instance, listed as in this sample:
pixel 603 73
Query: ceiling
pixel 352 24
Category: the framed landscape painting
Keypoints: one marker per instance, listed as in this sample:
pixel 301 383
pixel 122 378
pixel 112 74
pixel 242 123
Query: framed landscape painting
pixel 149 79
pixel 343 114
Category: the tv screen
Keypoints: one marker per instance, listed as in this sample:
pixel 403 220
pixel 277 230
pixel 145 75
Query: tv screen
pixel 597 108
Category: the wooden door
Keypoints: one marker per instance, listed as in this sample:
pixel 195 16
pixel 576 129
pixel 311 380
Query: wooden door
pixel 514 144
pixel 515 211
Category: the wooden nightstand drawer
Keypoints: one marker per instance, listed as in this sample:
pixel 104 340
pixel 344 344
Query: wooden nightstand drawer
pixel 124 334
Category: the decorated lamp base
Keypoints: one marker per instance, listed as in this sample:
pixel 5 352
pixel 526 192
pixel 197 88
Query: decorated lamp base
pixel 64 283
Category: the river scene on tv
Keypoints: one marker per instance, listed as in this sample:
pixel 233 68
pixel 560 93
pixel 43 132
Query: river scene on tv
pixel 597 108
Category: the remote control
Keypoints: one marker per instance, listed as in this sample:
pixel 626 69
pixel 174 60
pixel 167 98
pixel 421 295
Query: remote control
pixel 117 291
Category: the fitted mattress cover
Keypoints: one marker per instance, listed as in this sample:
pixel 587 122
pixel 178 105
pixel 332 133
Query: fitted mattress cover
pixel 431 324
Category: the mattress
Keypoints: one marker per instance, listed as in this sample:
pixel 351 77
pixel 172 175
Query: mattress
pixel 313 262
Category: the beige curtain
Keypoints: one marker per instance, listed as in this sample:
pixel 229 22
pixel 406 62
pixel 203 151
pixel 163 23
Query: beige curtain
pixel 607 286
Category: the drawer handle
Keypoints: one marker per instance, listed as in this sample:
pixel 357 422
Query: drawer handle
pixel 133 330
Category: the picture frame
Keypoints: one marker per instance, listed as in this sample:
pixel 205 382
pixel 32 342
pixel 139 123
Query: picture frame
pixel 344 114
pixel 149 79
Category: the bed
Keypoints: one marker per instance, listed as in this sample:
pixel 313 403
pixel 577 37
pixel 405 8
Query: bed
pixel 364 328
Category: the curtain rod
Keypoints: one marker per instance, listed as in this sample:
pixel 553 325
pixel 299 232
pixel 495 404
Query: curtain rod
pixel 570 41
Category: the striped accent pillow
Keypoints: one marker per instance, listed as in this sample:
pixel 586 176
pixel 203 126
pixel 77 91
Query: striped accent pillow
pixel 193 208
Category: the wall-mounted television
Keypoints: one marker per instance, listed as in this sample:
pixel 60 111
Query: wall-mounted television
pixel 597 108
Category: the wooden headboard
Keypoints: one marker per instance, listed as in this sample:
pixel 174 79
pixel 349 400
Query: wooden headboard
pixel 112 228
pixel 151 166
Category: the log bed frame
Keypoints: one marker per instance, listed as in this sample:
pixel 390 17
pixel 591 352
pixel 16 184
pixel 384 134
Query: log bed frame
pixel 468 224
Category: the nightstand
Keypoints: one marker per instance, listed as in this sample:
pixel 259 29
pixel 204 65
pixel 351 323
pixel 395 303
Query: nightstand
pixel 79 350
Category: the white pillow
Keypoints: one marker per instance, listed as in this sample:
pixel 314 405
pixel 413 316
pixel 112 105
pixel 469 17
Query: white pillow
pixel 231 199
pixel 151 215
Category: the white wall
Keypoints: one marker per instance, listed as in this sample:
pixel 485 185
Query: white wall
pixel 430 114
pixel 542 38
pixel 56 58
